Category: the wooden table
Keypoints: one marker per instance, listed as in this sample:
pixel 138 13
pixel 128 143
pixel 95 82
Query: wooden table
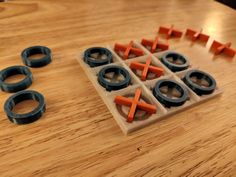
pixel 78 136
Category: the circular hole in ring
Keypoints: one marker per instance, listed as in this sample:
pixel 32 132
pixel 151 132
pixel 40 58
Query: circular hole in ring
pixel 201 80
pixel 36 54
pixel 176 59
pixel 171 92
pixel 114 77
pixel 98 54
pixel 25 106
pixel 15 78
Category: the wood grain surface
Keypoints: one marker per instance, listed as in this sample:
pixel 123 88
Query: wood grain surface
pixel 78 136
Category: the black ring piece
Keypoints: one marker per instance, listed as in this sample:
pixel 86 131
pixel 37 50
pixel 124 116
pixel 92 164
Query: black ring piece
pixel 21 85
pixel 28 117
pixel 166 101
pixel 117 70
pixel 96 62
pixel 198 89
pixel 35 63
pixel 176 56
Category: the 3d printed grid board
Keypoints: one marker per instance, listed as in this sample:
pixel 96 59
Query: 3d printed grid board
pixel 139 92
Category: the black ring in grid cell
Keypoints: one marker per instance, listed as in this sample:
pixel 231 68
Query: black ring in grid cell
pixel 35 63
pixel 97 62
pixel 28 117
pixel 14 70
pixel 174 66
pixel 165 100
pixel 200 75
pixel 111 85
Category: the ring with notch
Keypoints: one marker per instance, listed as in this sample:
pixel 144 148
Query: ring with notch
pixel 97 56
pixel 200 82
pixel 28 117
pixel 114 77
pixel 175 61
pixel 35 50
pixel 170 93
pixel 14 70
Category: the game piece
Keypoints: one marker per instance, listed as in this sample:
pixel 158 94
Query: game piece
pixel 147 67
pixel 219 48
pixel 135 104
pixel 28 117
pixel 14 70
pixel 200 82
pixel 97 56
pixel 170 32
pixel 175 61
pixel 128 51
pixel 170 93
pixel 35 63
pixel 114 77
pixel 196 35
pixel 154 45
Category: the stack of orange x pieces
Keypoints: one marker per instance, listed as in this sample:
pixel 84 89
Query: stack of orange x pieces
pixel 135 104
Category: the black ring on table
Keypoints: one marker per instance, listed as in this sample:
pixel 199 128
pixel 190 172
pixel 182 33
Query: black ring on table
pixel 28 117
pixel 166 101
pixel 96 62
pixel 35 63
pixel 117 70
pixel 14 70
pixel 172 66
pixel 200 90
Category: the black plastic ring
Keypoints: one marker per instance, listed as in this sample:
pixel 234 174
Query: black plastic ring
pixel 176 56
pixel 97 62
pixel 110 85
pixel 35 63
pixel 198 89
pixel 166 101
pixel 13 70
pixel 28 117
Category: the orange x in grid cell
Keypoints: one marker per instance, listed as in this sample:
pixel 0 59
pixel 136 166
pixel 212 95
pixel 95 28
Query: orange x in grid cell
pixel 146 67
pixel 129 49
pixel 135 104
pixel 154 44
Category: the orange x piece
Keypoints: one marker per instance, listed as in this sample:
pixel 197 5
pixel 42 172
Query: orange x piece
pixel 128 50
pixel 218 48
pixel 170 32
pixel 135 104
pixel 197 35
pixel 154 44
pixel 146 67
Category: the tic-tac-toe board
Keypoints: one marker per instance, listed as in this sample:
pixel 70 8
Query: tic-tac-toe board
pixel 137 104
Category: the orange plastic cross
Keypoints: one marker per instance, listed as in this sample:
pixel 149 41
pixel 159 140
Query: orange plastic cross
pixel 218 48
pixel 135 104
pixel 156 44
pixel 128 49
pixel 146 68
pixel 170 32
pixel 194 35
